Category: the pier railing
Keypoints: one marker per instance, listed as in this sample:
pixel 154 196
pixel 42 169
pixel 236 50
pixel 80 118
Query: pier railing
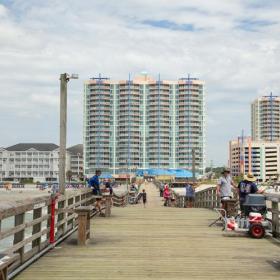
pixel 179 200
pixel 30 227
pixel 207 198
pixel 120 200
pixel 26 226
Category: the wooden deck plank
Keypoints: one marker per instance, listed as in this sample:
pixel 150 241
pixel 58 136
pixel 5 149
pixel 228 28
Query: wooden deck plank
pixel 158 243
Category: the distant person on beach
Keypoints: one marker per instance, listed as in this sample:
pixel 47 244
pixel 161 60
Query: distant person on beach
pixel 144 197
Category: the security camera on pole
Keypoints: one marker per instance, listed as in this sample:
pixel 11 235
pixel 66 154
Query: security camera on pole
pixel 64 79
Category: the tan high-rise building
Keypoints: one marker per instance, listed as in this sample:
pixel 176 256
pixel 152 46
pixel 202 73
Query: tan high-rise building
pixel 262 158
pixel 265 118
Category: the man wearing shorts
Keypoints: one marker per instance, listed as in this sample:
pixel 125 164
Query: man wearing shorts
pixel 224 187
pixel 94 184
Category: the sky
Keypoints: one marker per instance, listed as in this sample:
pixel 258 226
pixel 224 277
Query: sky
pixel 233 45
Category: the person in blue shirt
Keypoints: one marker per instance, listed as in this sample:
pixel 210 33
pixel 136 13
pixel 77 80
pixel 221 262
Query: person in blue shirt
pixel 245 187
pixel 190 194
pixel 94 183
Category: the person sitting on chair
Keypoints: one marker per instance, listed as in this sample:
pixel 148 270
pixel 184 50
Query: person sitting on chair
pixel 247 186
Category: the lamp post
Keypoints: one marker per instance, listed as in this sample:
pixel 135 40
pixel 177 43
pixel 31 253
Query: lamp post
pixel 64 79
pixel 126 175
pixel 193 164
pixel 78 154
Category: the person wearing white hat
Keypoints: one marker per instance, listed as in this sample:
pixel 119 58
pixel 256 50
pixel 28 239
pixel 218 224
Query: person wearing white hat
pixel 247 186
pixel 224 186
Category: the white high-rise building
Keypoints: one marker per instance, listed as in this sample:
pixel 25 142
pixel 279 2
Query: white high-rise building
pixel 143 123
pixel 265 118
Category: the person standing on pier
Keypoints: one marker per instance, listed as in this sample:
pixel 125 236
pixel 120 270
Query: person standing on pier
pixel 190 193
pixel 94 183
pixel 144 197
pixel 166 195
pixel 224 187
pixel 108 186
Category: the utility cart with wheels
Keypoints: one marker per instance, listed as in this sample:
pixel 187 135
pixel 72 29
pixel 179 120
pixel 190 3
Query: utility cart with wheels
pixel 252 220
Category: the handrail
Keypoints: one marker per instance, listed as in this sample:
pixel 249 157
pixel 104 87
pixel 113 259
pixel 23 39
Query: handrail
pixel 25 226
pixel 120 200
pixel 179 199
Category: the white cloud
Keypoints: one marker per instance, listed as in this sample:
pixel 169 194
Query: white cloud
pixel 41 39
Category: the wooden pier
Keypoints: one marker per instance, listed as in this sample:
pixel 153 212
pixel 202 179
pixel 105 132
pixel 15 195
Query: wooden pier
pixel 157 242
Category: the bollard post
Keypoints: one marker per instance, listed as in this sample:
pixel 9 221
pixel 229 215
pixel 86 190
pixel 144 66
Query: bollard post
pixel 83 224
pixel 52 223
pixel 108 202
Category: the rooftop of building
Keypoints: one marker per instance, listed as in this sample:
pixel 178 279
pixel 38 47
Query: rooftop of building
pixel 76 149
pixel 44 147
pixel 145 79
pixel 267 98
pixel 248 140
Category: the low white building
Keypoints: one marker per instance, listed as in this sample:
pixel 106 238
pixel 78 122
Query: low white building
pixel 37 161
pixel 261 158
pixel 75 162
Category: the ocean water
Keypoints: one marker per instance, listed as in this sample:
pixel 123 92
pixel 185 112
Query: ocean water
pixel 8 223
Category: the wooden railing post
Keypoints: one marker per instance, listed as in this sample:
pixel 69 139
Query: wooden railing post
pixel 208 198
pixel 108 202
pixel 204 199
pixel 60 217
pixel 70 221
pixel 83 224
pixel 275 219
pixel 19 236
pixel 37 213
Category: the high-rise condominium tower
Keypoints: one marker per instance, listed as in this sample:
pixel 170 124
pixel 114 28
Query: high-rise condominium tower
pixel 265 118
pixel 143 123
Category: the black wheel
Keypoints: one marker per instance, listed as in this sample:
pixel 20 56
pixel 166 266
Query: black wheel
pixel 257 231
